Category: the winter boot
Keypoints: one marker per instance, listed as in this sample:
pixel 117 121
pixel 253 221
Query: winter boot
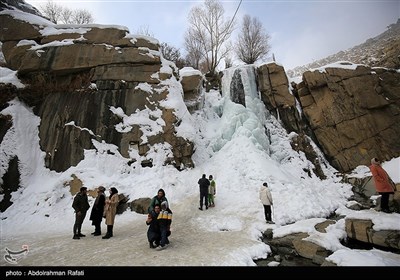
pixel 107 236
pixel 79 231
pixel 97 230
pixel 109 232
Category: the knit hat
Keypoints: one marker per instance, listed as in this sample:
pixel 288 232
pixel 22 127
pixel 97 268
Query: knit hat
pixel 375 161
pixel 101 188
pixel 83 189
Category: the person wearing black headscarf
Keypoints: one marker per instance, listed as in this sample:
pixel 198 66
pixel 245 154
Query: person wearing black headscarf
pixel 110 211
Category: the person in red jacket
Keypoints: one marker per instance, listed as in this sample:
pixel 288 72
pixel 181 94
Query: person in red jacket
pixel 382 183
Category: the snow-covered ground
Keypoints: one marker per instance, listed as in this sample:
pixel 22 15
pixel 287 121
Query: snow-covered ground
pixel 233 146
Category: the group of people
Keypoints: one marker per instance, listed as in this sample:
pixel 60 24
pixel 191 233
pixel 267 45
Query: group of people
pixel 102 208
pixel 207 191
pixel 159 217
pixel 159 220
pixel 384 185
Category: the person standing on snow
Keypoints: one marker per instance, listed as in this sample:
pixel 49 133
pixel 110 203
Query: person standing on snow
pixel 383 184
pixel 110 211
pixel 80 205
pixel 211 191
pixel 203 184
pixel 266 200
pixel 97 210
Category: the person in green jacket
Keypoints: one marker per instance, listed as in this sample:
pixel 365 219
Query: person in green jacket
pixel 157 200
pixel 211 191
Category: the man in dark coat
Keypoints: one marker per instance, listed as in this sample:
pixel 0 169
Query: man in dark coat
pixel 153 232
pixel 204 183
pixel 97 210
pixel 80 205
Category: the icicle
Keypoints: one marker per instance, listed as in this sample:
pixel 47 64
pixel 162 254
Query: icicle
pixel 277 114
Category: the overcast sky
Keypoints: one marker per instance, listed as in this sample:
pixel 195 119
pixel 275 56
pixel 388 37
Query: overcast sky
pixel 301 31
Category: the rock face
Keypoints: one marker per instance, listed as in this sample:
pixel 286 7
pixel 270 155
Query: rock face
pixel 358 108
pixel 275 93
pixel 352 114
pixel 20 5
pixel 89 84
pixel 295 245
pixel 192 81
pixel 237 89
pixel 362 230
pixel 93 84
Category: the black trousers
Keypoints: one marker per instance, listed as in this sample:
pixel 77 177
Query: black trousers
pixel 385 200
pixel 78 222
pixel 203 196
pixel 97 226
pixel 267 212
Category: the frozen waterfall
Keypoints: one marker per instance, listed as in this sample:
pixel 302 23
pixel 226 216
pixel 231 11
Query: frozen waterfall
pixel 243 112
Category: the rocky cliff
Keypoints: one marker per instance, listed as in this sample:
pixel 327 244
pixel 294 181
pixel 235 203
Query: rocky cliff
pixel 351 111
pixel 93 84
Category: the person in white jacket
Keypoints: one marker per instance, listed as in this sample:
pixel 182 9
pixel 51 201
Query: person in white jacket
pixel 266 200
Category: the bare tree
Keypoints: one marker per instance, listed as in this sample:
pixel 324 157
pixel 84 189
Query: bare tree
pixel 66 16
pixel 59 14
pixel 82 16
pixel 209 31
pixel 169 52
pixel 144 30
pixel 194 50
pixel 172 54
pixel 253 41
pixel 51 10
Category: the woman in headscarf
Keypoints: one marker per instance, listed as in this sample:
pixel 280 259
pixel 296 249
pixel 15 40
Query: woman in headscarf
pixel 110 211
